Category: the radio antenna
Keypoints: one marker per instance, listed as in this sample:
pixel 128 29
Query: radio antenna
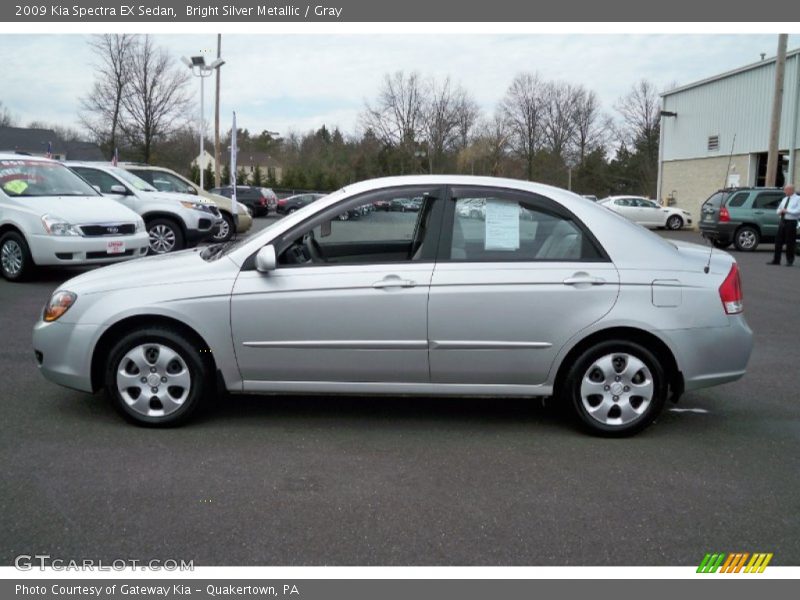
pixel 707 268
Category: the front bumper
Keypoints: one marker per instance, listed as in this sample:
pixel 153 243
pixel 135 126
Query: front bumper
pixel 69 250
pixel 244 223
pixel 713 355
pixel 63 353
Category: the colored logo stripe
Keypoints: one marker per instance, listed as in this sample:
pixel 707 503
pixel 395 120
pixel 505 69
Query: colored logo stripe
pixel 734 562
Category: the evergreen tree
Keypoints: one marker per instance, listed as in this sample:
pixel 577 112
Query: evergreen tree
pixel 257 178
pixel 208 177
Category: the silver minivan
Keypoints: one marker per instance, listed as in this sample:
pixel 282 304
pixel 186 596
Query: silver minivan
pixel 544 295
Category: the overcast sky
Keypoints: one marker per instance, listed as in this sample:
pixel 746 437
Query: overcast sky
pixel 299 82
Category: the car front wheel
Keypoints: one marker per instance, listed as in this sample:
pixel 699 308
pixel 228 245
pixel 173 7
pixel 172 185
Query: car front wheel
pixel 16 263
pixel 165 236
pixel 156 377
pixel 617 388
pixel 226 229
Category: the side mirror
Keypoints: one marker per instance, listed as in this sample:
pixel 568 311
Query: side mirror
pixel 192 191
pixel 266 260
pixel 119 189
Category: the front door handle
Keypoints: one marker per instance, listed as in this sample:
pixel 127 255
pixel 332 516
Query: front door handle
pixel 393 281
pixel 584 280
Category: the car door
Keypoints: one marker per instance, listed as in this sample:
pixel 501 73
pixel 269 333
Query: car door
pixel 625 207
pixel 650 213
pixel 347 302
pixel 510 290
pixel 765 206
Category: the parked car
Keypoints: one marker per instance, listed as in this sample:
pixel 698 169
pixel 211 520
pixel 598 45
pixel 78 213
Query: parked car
pixel 173 221
pixel 744 217
pixel 50 216
pixel 260 200
pixel 292 203
pixel 576 303
pixel 591 197
pixel 648 213
pixel 167 180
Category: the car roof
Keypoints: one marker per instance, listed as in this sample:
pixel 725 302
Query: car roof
pixel 20 156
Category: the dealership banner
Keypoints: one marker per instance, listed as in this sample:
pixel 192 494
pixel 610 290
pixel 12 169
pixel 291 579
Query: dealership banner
pixel 406 11
pixel 407 589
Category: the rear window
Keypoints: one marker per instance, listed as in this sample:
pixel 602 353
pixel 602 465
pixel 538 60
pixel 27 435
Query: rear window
pixel 715 200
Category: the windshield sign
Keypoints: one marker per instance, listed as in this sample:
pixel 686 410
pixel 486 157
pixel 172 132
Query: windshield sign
pixel 33 178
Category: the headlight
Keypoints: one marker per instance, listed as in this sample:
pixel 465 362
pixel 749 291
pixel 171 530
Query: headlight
pixel 139 226
pixel 56 226
pixel 196 206
pixel 59 304
pixel 243 209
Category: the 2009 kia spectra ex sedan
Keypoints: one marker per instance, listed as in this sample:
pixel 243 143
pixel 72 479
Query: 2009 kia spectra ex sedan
pixel 545 294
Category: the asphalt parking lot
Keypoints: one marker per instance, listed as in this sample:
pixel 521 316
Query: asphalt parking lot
pixel 364 481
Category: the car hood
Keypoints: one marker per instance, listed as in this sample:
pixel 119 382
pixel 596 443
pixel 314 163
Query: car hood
pixel 177 268
pixel 177 197
pixel 80 210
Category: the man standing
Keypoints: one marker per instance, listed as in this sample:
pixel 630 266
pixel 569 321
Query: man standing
pixel 789 213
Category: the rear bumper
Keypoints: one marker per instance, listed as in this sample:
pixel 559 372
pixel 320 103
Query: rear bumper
pixel 714 355
pixel 720 232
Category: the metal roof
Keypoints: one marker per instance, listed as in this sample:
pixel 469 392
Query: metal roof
pixel 751 66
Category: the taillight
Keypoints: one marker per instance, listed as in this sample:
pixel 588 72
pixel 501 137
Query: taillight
pixel 262 201
pixel 730 292
pixel 724 215
pixel 282 202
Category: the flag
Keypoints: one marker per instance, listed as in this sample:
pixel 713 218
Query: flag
pixel 234 150
pixel 115 157
pixel 49 149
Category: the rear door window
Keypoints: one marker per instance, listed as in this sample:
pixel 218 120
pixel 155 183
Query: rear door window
pixel 768 200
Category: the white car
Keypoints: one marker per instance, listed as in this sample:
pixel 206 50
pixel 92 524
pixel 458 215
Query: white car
pixel 647 212
pixel 50 216
pixel 173 221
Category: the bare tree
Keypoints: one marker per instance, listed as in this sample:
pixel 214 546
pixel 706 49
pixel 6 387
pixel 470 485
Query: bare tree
pixel 559 108
pixel 522 110
pixel 590 127
pixel 397 115
pixel 444 116
pixel 640 113
pixel 468 113
pixel 101 108
pixel 487 151
pixel 156 97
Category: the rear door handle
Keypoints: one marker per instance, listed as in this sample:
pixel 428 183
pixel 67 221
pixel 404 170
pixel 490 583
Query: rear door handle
pixel 758 212
pixel 393 281
pixel 584 280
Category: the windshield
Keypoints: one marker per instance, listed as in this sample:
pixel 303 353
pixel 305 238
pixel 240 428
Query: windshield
pixel 131 179
pixel 31 178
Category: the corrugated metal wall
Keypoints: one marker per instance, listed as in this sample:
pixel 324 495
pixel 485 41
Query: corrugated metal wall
pixel 738 104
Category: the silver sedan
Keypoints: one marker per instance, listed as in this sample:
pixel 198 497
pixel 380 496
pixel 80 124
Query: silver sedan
pixel 544 295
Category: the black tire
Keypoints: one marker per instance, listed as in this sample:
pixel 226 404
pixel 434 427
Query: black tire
pixel 226 232
pixel 747 238
pixel 197 363
pixel 156 228
pixel 581 371
pixel 674 223
pixel 720 244
pixel 14 251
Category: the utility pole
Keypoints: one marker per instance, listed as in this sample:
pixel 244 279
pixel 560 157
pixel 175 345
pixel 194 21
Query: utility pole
pixel 777 103
pixel 217 169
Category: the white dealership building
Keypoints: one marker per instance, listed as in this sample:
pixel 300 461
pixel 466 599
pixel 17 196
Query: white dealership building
pixel 715 132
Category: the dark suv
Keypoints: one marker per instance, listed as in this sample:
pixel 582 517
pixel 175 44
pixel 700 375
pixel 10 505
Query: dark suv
pixel 744 217
pixel 259 200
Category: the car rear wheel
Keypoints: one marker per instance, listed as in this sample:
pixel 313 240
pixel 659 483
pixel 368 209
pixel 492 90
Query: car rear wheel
pixel 156 377
pixel 617 388
pixel 674 222
pixel 165 236
pixel 746 239
pixel 720 244
pixel 16 263
pixel 226 229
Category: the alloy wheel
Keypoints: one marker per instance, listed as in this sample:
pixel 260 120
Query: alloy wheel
pixel 747 239
pixel 162 239
pixel 224 231
pixel 11 258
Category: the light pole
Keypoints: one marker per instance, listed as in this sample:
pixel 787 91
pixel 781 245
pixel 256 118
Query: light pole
pixel 200 69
